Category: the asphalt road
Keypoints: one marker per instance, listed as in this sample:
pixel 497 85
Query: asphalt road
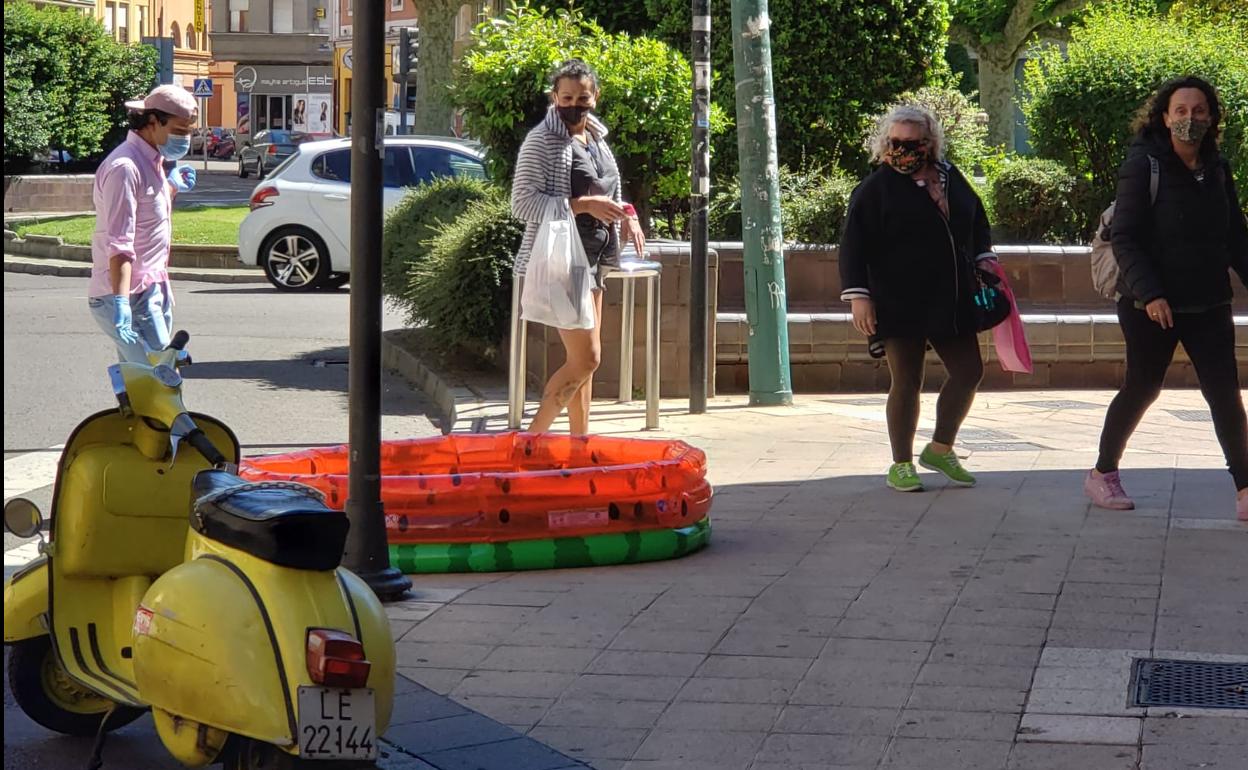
pixel 219 186
pixel 273 366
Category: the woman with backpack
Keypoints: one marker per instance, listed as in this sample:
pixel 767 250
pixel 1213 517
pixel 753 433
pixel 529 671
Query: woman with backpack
pixel 1174 251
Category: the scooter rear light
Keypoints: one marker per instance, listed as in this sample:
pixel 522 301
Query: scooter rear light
pixel 336 659
pixel 261 197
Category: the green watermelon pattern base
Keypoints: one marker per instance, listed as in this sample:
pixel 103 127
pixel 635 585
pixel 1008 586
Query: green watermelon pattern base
pixel 551 553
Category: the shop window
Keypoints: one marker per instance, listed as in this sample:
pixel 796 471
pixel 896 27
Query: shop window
pixel 238 15
pixel 283 16
pixel 123 23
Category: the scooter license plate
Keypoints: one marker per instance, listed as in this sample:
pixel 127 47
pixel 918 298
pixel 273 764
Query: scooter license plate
pixel 337 724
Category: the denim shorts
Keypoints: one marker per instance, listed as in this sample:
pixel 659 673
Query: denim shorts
pixel 152 313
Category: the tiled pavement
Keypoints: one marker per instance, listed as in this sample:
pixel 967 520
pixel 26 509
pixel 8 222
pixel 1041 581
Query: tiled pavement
pixel 834 624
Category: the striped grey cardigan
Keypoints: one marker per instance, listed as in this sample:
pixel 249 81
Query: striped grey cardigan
pixel 543 183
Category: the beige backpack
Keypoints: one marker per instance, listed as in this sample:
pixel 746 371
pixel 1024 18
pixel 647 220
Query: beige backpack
pixel 1104 265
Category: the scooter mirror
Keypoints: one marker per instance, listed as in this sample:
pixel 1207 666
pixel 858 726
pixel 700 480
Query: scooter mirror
pixel 22 517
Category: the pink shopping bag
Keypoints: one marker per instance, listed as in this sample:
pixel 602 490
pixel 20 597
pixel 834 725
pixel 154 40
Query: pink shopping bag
pixel 1009 338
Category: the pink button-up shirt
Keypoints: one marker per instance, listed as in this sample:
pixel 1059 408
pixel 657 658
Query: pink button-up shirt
pixel 133 206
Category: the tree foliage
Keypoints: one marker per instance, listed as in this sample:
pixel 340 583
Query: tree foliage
pixel 1080 105
pixel 833 61
pixel 65 81
pixel 998 31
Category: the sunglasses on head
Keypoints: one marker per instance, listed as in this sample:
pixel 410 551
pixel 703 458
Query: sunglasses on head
pixel 913 145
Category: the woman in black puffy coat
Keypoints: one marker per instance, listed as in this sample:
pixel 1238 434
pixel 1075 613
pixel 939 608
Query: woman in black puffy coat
pixel 1174 257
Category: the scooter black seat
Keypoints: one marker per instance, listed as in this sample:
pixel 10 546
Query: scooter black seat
pixel 284 524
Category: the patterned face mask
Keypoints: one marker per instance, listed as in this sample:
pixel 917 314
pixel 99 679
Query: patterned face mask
pixel 906 160
pixel 1190 130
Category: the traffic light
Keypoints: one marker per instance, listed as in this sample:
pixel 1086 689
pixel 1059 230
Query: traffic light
pixel 409 50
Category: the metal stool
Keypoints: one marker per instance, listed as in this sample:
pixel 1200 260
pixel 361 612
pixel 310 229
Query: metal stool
pixel 628 272
pixel 517 358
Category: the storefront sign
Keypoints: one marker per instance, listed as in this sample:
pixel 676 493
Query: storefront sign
pixel 284 79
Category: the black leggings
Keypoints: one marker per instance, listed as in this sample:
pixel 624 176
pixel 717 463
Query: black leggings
pixel 906 364
pixel 1209 339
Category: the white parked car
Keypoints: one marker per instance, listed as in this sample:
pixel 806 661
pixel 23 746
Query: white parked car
pixel 299 228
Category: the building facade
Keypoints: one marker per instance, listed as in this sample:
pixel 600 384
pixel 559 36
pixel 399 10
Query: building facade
pixel 283 73
pixel 399 14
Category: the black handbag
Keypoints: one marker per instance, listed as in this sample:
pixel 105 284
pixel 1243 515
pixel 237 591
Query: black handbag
pixel 992 306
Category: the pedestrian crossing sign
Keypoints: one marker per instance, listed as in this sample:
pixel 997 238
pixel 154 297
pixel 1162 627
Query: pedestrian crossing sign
pixel 203 88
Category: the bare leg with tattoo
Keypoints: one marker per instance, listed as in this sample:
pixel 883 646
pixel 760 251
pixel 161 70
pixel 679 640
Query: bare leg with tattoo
pixel 578 407
pixel 570 386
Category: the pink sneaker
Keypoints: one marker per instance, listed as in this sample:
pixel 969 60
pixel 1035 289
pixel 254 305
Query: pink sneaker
pixel 1106 491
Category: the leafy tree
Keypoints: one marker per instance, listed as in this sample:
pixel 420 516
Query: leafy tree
pixel 1080 105
pixel 65 81
pixel 998 31
pixel 833 61
pixel 629 16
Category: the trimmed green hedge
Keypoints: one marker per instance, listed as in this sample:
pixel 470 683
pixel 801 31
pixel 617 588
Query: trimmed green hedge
pixel 461 290
pixel 416 220
pixel 812 206
pixel 1036 200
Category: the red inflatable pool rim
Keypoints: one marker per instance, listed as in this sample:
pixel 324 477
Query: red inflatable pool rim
pixel 514 486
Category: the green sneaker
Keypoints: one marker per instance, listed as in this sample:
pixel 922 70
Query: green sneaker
pixel 947 464
pixel 904 478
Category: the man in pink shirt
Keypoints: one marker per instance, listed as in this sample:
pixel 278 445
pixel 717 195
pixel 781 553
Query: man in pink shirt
pixel 129 292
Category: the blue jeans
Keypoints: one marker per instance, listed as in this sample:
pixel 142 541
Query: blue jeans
pixel 152 311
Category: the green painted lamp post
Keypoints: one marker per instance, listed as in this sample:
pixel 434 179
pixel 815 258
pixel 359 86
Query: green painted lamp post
pixel 766 308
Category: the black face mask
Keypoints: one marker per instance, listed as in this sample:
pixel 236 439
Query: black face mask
pixel 572 115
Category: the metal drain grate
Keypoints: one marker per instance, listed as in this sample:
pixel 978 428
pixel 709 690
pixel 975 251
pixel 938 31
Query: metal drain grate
pixel 1061 404
pixel 1189 684
pixel 1000 446
pixel 982 435
pixel 1191 415
pixel 868 401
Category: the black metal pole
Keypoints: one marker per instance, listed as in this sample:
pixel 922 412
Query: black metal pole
pixel 701 181
pixel 404 64
pixel 367 552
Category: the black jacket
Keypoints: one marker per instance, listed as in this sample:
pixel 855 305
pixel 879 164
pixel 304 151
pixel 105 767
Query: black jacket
pixel 898 249
pixel 1180 248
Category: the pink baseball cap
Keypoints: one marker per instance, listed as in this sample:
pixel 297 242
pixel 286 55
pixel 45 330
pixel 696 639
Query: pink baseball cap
pixel 172 99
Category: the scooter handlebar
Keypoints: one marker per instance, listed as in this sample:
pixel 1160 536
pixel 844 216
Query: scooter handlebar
pixel 200 442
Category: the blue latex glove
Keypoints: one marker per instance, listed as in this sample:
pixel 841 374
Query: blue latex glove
pixel 123 320
pixel 183 178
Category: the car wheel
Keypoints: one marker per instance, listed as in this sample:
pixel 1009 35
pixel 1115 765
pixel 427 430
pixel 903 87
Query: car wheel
pixel 242 168
pixel 295 259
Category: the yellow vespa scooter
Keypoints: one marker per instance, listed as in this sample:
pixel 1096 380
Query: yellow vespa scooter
pixel 169 583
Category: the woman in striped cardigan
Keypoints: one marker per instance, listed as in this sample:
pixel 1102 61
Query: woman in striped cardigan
pixel 565 170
